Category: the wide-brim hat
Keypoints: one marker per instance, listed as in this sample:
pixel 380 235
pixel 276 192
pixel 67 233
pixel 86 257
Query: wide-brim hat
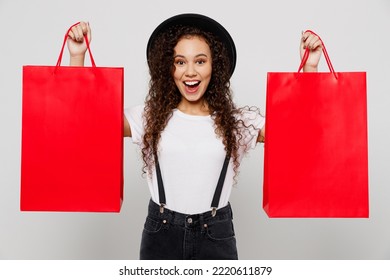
pixel 202 22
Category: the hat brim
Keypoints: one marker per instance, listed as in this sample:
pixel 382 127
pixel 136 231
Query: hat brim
pixel 202 22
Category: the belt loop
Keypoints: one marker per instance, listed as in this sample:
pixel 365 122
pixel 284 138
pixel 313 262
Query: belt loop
pixel 202 223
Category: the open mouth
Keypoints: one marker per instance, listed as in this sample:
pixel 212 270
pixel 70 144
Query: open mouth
pixel 192 84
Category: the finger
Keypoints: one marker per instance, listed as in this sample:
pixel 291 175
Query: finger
pixel 305 36
pixel 80 34
pixel 83 26
pixel 89 32
pixel 71 35
pixel 304 40
pixel 77 33
pixel 314 43
pixel 310 41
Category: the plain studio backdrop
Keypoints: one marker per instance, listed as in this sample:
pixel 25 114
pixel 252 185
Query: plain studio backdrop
pixel 267 34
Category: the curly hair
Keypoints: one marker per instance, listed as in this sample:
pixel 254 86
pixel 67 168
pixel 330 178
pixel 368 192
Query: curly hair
pixel 164 96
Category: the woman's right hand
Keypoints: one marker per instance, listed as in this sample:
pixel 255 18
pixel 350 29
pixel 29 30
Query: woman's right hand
pixel 76 43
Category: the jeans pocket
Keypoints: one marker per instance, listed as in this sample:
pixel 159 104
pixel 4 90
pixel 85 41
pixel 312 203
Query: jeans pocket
pixel 152 226
pixel 221 230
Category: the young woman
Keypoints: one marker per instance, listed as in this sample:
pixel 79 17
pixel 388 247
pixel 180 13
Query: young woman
pixel 191 134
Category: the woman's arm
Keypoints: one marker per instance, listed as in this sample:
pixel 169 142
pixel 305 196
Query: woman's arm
pixel 76 43
pixel 77 48
pixel 313 42
pixel 126 128
pixel 261 137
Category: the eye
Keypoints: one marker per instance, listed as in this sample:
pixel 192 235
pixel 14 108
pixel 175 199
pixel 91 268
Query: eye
pixel 179 62
pixel 201 61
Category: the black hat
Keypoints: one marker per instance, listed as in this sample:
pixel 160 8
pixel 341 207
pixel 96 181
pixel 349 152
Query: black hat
pixel 202 22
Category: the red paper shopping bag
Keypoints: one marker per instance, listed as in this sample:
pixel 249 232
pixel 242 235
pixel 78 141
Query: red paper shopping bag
pixel 72 138
pixel 316 159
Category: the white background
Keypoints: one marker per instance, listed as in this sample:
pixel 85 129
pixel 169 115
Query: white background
pixel 266 33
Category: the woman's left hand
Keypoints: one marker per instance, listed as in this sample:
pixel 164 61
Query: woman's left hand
pixel 314 44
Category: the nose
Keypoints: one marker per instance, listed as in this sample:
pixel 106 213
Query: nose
pixel 190 70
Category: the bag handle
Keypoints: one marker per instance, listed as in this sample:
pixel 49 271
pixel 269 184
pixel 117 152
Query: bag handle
pixel 63 46
pixel 307 52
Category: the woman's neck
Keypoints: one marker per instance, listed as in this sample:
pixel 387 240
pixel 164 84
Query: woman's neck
pixel 194 108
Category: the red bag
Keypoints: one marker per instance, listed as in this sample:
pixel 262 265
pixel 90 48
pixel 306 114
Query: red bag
pixel 72 138
pixel 316 158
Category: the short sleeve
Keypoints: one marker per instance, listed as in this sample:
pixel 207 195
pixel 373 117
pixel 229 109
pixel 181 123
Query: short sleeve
pixel 251 124
pixel 134 116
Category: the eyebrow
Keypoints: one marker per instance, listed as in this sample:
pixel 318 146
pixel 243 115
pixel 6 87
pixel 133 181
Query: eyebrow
pixel 182 56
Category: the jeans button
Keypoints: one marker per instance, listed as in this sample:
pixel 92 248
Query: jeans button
pixel 189 220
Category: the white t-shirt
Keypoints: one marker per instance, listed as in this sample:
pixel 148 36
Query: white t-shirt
pixel 191 157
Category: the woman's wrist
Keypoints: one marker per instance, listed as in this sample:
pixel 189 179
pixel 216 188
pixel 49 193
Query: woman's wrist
pixel 77 60
pixel 310 69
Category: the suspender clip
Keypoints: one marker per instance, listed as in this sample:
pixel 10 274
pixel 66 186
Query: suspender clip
pixel 214 211
pixel 162 205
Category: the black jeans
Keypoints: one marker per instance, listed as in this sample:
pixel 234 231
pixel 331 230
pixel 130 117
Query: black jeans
pixel 176 236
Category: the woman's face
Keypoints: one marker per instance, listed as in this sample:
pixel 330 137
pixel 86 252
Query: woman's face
pixel 193 67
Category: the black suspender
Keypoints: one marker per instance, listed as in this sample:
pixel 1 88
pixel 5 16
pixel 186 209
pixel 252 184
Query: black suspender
pixel 217 193
pixel 161 191
pixel 218 189
pixel 160 184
